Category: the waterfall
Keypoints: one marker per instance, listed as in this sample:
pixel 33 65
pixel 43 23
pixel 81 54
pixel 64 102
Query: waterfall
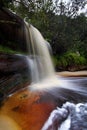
pixel 42 70
pixel 39 58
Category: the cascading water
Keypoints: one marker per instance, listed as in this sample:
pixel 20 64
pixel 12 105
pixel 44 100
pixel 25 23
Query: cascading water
pixel 42 70
pixel 44 78
pixel 39 57
pixel 30 107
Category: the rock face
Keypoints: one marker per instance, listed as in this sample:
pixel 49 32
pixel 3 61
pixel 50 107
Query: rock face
pixel 71 68
pixel 14 73
pixel 12 29
pixel 28 109
pixel 11 63
pixel 14 69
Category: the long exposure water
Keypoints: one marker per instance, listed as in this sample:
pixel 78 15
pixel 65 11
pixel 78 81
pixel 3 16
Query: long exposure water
pixel 41 66
pixel 49 99
pixel 71 89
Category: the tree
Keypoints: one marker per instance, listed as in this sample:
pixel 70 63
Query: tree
pixel 59 22
pixel 70 8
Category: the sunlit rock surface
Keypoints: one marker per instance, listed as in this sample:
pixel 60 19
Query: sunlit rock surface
pixel 26 110
pixel 6 123
pixel 68 117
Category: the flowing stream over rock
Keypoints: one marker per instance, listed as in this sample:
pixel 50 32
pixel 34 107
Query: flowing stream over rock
pixel 49 101
pixel 42 69
pixel 44 79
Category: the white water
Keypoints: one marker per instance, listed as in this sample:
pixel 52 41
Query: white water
pixel 39 57
pixel 43 78
pixel 75 117
pixel 40 63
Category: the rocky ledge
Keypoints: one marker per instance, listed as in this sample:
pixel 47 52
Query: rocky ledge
pixel 14 73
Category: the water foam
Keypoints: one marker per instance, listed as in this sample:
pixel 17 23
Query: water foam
pixel 42 70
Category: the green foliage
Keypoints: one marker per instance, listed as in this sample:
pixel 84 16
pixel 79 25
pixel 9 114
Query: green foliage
pixel 8 50
pixel 60 23
pixel 5 49
pixel 69 59
pixel 74 59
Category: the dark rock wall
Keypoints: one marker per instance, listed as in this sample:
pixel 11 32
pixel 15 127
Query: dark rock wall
pixel 12 30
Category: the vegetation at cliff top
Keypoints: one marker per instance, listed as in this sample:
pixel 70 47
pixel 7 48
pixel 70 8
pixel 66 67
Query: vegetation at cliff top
pixel 62 23
pixel 8 50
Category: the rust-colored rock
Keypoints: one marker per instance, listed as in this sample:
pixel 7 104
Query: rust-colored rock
pixel 28 109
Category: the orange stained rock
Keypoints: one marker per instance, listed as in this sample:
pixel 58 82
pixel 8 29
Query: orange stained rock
pixel 26 110
pixel 6 123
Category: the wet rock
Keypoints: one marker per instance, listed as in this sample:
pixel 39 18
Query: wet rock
pixel 14 74
pixel 12 63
